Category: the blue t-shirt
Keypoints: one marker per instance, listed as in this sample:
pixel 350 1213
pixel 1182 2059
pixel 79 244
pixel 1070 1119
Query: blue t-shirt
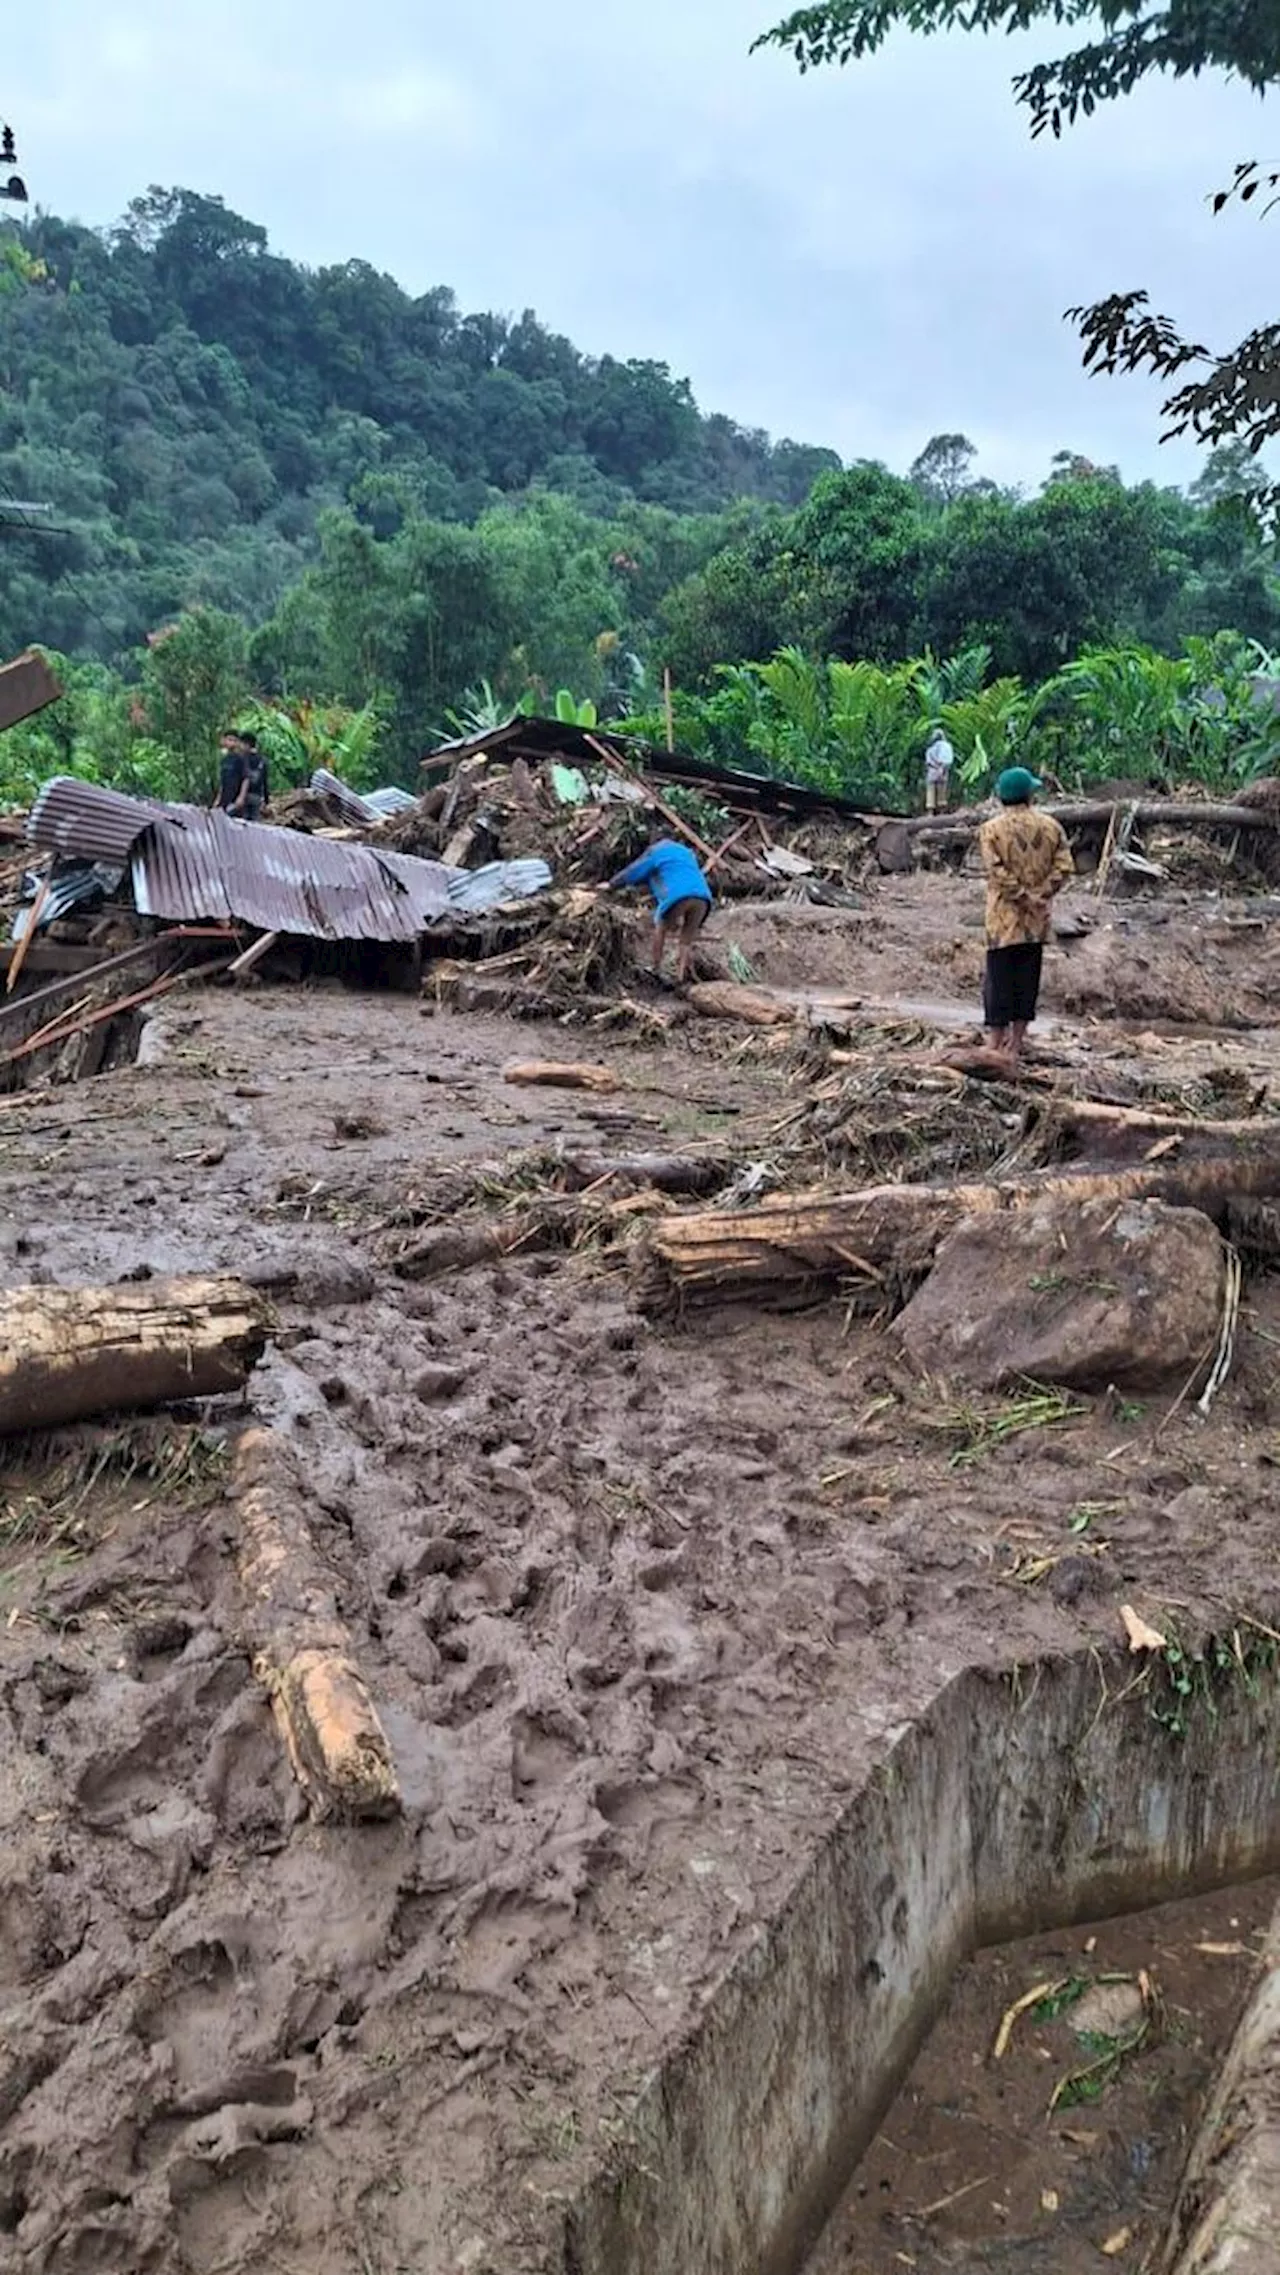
pixel 671 872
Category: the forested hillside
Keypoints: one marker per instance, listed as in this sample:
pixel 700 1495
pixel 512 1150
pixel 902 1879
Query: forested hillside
pixel 311 488
pixel 191 403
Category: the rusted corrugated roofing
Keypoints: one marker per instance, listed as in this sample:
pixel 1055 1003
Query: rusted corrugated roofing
pixel 87 823
pixel 188 864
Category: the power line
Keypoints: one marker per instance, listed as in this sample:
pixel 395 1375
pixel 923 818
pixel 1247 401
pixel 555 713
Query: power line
pixel 65 577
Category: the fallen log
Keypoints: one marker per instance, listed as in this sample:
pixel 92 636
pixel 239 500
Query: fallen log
pixel 66 1353
pixel 552 1074
pixel 557 1218
pixel 886 1235
pixel 1085 1114
pixel 724 999
pixel 302 1650
pixel 1083 813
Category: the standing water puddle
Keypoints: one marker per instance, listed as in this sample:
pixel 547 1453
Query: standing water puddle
pixel 1064 2152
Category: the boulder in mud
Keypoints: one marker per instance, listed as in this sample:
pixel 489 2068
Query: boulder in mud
pixel 1082 1295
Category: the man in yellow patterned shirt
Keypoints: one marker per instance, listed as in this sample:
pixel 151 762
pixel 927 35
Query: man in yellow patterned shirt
pixel 1027 861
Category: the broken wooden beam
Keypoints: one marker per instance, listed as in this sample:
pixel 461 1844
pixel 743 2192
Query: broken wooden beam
pixel 27 942
pixel 240 966
pixel 886 1235
pixel 27 685
pixel 88 964
pixel 302 1649
pixel 67 1353
pixel 682 829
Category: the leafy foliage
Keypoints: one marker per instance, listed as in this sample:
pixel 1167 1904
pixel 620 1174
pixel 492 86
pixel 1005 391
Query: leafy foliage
pixel 1138 37
pixel 859 729
pixel 197 405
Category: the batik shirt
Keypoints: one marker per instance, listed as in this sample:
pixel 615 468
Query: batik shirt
pixel 1027 860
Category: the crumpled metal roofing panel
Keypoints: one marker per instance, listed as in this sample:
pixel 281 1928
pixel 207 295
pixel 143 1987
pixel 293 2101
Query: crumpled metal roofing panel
pixel 190 865
pixel 370 806
pixel 476 890
pixel 87 823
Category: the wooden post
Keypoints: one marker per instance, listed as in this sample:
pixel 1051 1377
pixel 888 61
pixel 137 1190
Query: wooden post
pixel 20 953
pixel 668 707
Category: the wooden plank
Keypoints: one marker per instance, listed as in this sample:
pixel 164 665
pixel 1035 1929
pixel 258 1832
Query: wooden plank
pixel 23 949
pixel 26 686
pixel 668 813
pixel 89 961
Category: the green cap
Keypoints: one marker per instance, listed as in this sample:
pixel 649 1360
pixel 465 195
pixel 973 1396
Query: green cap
pixel 1016 785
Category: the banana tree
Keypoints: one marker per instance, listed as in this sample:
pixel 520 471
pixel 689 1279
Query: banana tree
pixel 299 737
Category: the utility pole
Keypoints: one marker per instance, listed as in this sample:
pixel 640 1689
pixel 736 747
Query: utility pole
pixel 13 188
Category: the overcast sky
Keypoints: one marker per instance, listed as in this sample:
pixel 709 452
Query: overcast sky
pixel 859 258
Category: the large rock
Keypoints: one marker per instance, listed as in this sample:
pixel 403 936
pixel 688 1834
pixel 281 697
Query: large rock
pixel 1128 1295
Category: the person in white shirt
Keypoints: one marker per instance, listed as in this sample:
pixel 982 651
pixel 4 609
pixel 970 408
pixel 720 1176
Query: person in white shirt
pixel 939 758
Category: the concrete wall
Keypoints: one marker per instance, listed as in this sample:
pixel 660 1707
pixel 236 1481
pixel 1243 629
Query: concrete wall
pixel 1016 1802
pixel 1227 2220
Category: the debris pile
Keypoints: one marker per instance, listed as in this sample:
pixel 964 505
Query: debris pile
pixel 1189 839
pixel 586 802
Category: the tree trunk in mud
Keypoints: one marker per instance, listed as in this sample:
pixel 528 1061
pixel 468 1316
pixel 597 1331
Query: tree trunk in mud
pixel 887 1234
pixel 302 1650
pixel 724 999
pixel 555 1074
pixel 1171 813
pixel 556 1219
pixel 66 1353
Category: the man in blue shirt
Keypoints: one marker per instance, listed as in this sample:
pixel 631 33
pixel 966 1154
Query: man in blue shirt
pixel 682 898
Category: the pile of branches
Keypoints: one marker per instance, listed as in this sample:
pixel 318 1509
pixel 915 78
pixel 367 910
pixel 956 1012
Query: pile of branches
pixel 570 966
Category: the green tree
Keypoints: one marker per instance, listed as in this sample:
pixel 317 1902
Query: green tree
pixel 944 469
pixel 193 679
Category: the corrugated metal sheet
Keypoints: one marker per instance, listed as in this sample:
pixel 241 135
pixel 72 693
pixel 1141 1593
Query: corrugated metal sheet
pixel 78 885
pixel 537 739
pixel 372 806
pixel 476 890
pixel 188 865
pixel 87 823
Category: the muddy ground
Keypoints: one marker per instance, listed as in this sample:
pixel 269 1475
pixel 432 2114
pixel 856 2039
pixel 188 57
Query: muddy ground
pixel 637 1602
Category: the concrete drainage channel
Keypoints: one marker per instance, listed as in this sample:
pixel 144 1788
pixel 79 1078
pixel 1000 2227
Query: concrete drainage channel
pixel 1026 1800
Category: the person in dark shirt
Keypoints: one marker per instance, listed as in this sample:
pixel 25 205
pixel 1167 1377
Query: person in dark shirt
pixel 254 791
pixel 230 773
pixel 242 781
pixel 681 896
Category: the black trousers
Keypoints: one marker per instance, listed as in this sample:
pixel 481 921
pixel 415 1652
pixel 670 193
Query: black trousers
pixel 1011 989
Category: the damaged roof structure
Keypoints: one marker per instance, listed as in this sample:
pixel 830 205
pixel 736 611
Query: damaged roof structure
pixel 537 740
pixel 188 866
